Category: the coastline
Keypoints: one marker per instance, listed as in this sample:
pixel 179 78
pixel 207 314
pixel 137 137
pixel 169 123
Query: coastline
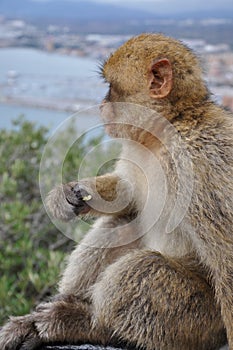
pixel 71 106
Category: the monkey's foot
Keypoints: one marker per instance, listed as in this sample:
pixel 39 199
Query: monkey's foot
pixel 19 334
pixel 65 320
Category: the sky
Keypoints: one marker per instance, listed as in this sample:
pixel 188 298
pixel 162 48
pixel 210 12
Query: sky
pixel 168 5
pixel 174 4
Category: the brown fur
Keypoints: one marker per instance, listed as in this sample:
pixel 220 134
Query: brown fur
pixel 114 290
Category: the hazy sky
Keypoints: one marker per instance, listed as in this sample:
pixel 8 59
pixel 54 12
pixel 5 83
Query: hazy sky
pixel 174 4
pixel 168 6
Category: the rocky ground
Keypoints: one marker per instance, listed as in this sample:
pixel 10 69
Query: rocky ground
pixel 78 347
pixel 89 347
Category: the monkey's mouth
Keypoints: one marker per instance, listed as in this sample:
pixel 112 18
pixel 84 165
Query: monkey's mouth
pixel 72 202
pixel 78 207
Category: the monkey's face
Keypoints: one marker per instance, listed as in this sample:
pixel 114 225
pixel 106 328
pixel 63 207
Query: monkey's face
pixel 113 111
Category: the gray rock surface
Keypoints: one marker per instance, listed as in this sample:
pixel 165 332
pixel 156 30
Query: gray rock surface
pixel 78 347
pixel 89 347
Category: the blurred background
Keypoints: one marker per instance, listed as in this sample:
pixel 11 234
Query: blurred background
pixel 50 51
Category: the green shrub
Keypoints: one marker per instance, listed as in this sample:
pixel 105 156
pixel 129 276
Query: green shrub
pixel 32 250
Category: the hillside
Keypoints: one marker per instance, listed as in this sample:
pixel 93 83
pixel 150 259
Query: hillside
pixel 96 11
pixel 83 10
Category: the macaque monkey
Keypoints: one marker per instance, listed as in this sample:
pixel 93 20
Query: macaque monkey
pixel 129 283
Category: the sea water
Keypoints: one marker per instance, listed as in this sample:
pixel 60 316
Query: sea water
pixel 46 87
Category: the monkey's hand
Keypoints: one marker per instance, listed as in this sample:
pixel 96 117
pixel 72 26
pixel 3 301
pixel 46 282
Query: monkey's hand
pixel 106 194
pixel 67 201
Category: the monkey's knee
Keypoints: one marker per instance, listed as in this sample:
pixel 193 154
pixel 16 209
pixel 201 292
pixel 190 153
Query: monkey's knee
pixel 151 301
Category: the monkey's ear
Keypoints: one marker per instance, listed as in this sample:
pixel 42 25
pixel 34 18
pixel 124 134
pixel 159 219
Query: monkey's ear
pixel 160 78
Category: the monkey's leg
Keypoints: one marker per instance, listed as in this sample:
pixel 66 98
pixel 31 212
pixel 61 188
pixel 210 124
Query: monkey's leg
pixel 144 300
pixel 155 302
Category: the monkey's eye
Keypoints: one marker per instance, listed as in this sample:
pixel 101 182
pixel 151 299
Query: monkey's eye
pixel 107 83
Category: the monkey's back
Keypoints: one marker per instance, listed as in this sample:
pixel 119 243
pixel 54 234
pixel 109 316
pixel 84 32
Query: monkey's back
pixel 210 144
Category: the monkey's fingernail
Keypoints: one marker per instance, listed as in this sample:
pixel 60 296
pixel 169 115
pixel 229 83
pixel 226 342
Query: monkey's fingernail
pixel 87 198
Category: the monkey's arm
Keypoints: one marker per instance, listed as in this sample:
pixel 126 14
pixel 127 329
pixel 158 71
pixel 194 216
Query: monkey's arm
pixel 107 194
pixel 113 234
pixel 107 241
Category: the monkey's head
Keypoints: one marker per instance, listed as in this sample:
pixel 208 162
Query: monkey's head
pixel 156 72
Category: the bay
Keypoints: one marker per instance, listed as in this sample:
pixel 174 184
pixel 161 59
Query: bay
pixel 49 118
pixel 43 86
